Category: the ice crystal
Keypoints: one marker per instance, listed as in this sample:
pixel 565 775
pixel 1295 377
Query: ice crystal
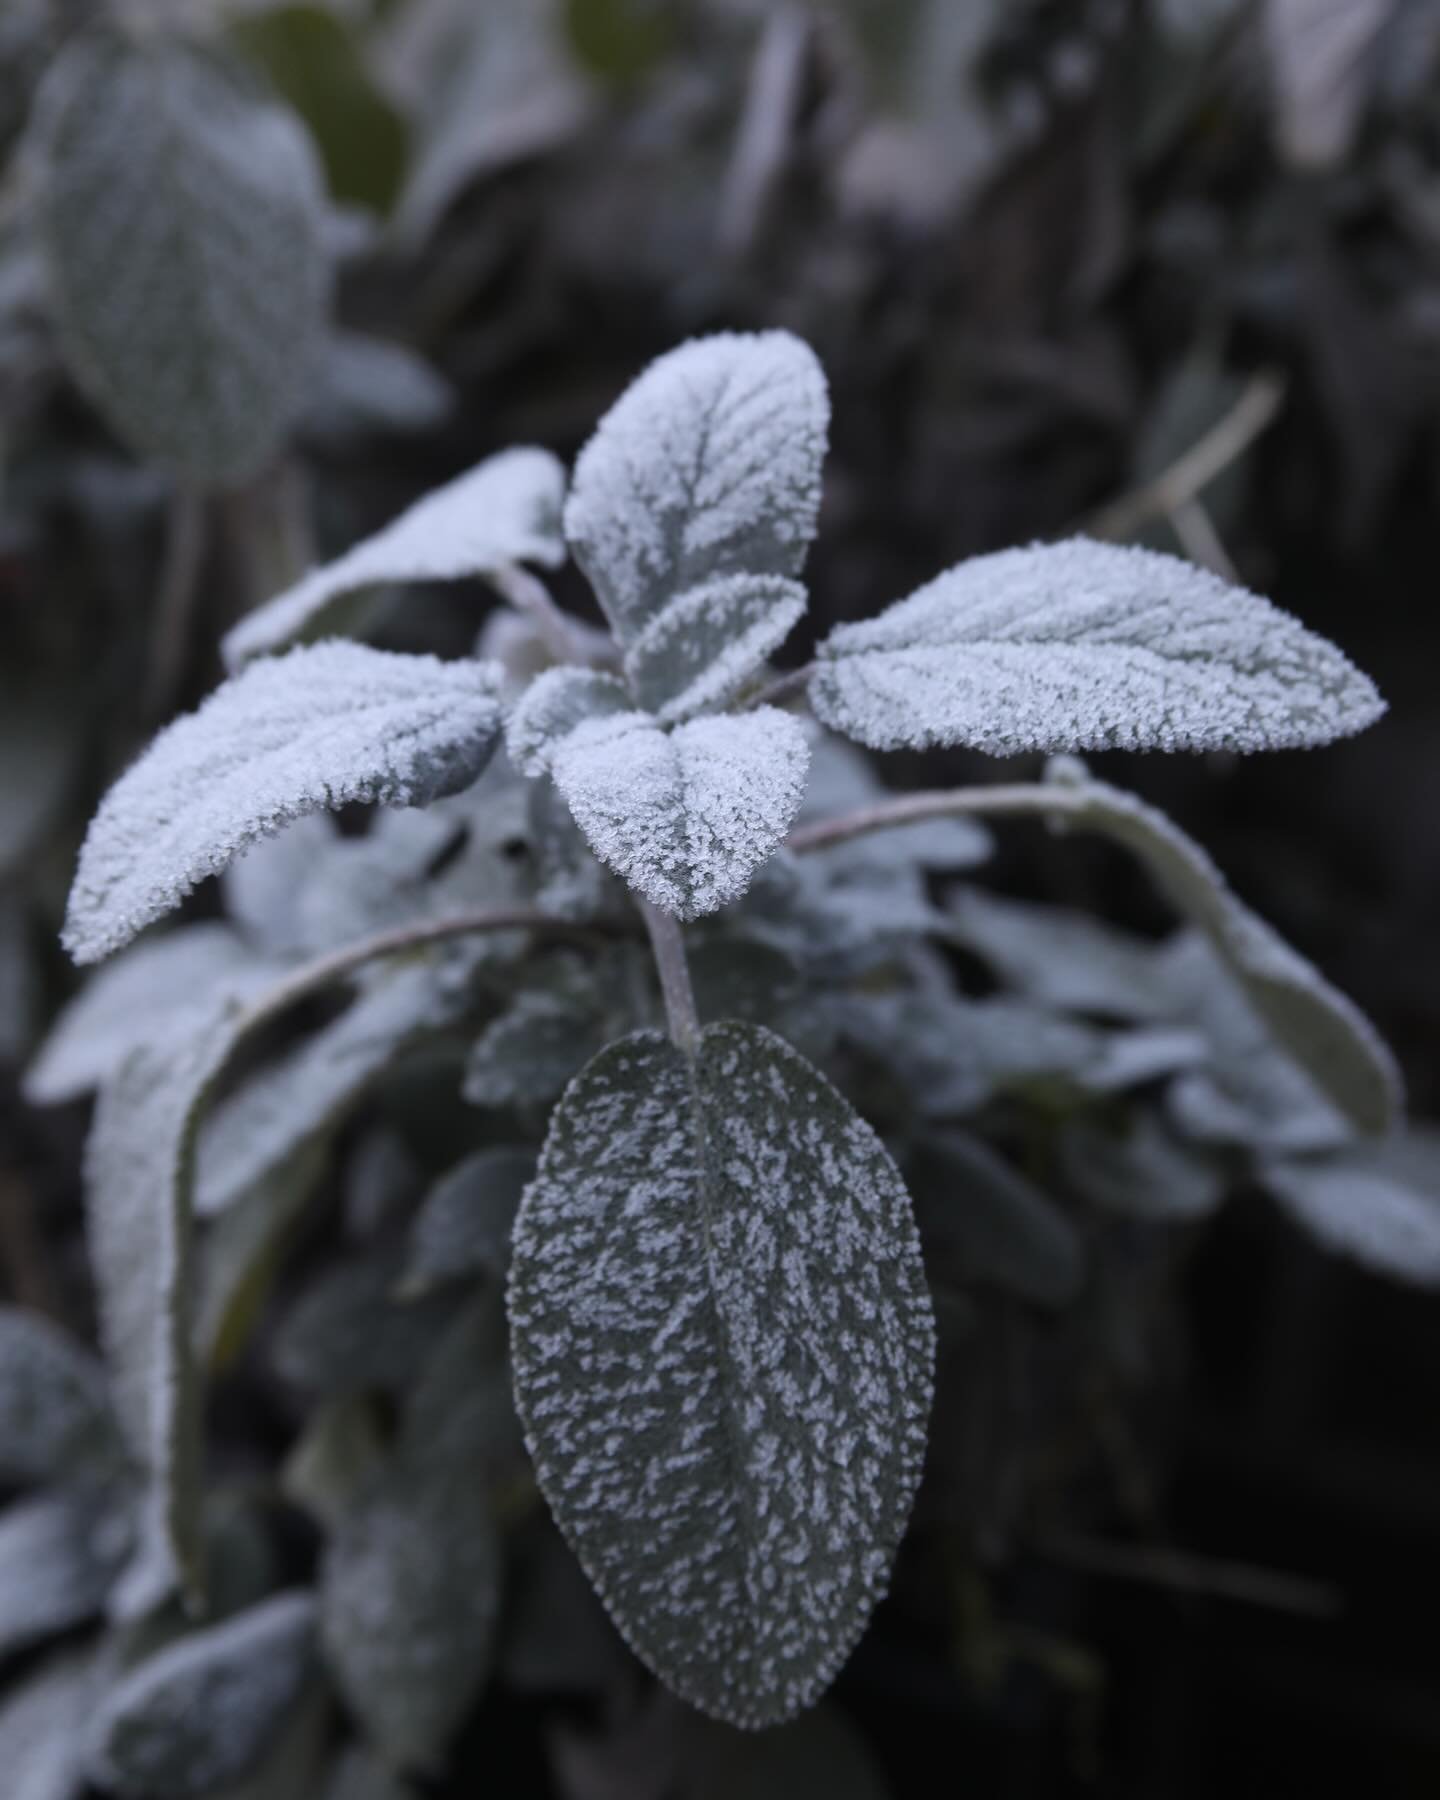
pixel 723 1347
pixel 316 728
pixel 1087 646
pixel 504 510
pixel 551 708
pixel 701 649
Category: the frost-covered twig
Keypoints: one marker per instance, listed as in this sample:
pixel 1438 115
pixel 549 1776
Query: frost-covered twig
pixel 674 973
pixel 784 687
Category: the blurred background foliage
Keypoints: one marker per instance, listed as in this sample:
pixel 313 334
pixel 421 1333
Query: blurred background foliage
pixel 1165 269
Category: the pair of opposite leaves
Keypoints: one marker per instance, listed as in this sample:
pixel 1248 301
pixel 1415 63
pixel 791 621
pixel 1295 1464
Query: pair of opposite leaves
pixel 722 1336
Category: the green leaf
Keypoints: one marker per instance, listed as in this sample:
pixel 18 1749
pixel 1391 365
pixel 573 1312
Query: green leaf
pixel 60 1553
pixel 551 708
pixel 202 1712
pixel 54 1407
pixel 182 214
pixel 463 1226
pixel 723 1350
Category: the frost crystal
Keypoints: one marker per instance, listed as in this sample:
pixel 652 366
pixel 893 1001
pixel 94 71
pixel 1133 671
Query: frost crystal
pixel 504 510
pixel 551 708
pixel 723 1350
pixel 317 728
pixel 1087 646
pixel 701 649
pixel 685 816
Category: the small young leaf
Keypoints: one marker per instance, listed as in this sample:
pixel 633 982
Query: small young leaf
pixel 504 510
pixel 701 649
pixel 551 708
pixel 318 728
pixel 54 1405
pixel 261 888
pixel 685 816
pixel 183 219
pixel 463 1226
pixel 1087 646
pixel 708 465
pixel 723 1349
pixel 152 993
pixel 203 1711
pixel 369 385
pixel 42 1727
pixel 60 1553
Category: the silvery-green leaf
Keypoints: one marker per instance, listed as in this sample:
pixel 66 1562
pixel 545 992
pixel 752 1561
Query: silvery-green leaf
pixel 504 510
pixel 835 920
pixel 204 1710
pixel 140 1228
pixel 42 1725
pixel 292 1767
pixel 54 1405
pixel 526 1055
pixel 383 1181
pixel 461 1409
pixel 463 1226
pixel 1130 1059
pixel 1087 646
pixel 361 1775
pixel 685 816
pixel 702 649
pixel 1139 1170
pixel 348 1332
pixel 319 728
pixel 1325 1032
pixel 152 993
pixel 1062 958
pixel 707 466
pixel 253 1134
pixel 367 384
pixel 568 880
pixel 1322 58
pixel 262 886
pixel 60 1553
pixel 182 215
pixel 723 1349
pixel 550 709
pixel 1356 1205
pixel 983 1221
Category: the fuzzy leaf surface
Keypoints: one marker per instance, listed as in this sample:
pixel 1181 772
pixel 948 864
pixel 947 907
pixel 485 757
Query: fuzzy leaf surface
pixel 553 705
pixel 723 1350
pixel 1357 1206
pixel 182 215
pixel 504 510
pixel 463 1226
pixel 42 1724
pixel 60 1552
pixel 54 1402
pixel 318 728
pixel 687 816
pixel 1087 646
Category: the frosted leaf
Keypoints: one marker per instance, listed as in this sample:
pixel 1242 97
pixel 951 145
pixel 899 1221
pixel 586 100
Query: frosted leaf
pixel 844 779
pixel 551 708
pixel 1325 1032
pixel 152 993
pixel 140 1231
pixel 569 882
pixel 723 1350
pixel 1322 58
pixel 341 1449
pixel 1355 1206
pixel 708 465
pixel 409 1600
pixel 836 916
pixel 251 1136
pixel 42 1721
pixel 701 649
pixel 348 1331
pixel 1087 646
pixel 54 1404
pixel 368 384
pixel 261 888
pixel 204 1710
pixel 686 816
pixel 60 1553
pixel 463 1226
pixel 528 1054
pixel 1140 1170
pixel 318 728
pixel 983 1221
pixel 182 214
pixel 292 1767
pixel 504 510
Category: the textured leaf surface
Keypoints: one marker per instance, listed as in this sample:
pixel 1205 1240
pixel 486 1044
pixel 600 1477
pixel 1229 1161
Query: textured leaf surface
pixel 347 1332
pixel 1140 1171
pixel 463 1226
pixel 183 219
pixel 723 1349
pixel 551 708
pixel 1087 646
pixel 708 465
pixel 686 816
pixel 504 510
pixel 1325 1032
pixel 1356 1206
pixel 42 1724
pixel 201 1712
pixel 153 993
pixel 318 728
pixel 60 1553
pixel 701 649
pixel 54 1403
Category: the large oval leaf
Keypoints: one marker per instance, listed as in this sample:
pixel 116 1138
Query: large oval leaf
pixel 1087 646
pixel 183 219
pixel 723 1352
pixel 317 728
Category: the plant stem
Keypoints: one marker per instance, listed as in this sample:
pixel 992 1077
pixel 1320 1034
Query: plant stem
pixel 674 972
pixel 792 681
pixel 906 809
pixel 529 595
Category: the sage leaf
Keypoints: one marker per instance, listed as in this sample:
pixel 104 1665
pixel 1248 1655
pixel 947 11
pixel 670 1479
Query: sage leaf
pixel 1140 1170
pixel 551 708
pixel 723 1351
pixel 348 1332
pixel 54 1403
pixel 315 729
pixel 42 1726
pixel 504 510
pixel 702 649
pixel 182 215
pixel 1087 646
pixel 60 1553
pixel 463 1226
pixel 685 816
pixel 203 1711
pixel 1355 1205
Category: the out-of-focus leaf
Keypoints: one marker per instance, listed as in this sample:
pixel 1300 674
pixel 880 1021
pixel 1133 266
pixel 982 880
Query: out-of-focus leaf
pixel 42 1728
pixel 1140 1170
pixel 619 40
pixel 55 1415
pixel 182 215
pixel 368 385
pixel 1322 58
pixel 463 1226
pixel 262 886
pixel 60 1553
pixel 40 745
pixel 361 1775
pixel 347 1333
pixel 341 1450
pixel 1356 1205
